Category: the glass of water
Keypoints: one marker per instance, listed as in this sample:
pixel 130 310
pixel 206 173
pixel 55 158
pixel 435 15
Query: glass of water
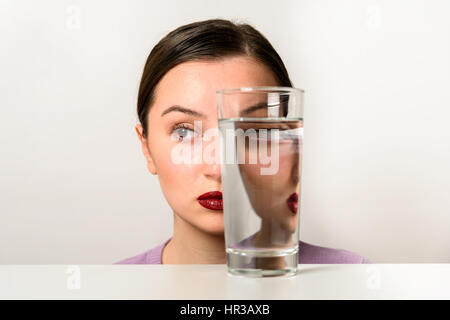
pixel 261 131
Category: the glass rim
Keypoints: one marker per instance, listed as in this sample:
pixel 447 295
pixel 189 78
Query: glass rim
pixel 261 89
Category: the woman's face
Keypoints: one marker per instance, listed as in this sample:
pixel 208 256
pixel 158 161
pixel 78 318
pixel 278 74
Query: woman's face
pixel 193 86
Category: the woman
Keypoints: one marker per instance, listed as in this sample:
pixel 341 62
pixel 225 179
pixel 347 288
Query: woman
pixel 178 86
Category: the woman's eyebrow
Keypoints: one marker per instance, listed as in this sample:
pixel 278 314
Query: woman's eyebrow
pixel 184 110
pixel 262 105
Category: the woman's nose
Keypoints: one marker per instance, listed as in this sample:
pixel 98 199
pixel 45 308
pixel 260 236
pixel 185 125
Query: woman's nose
pixel 213 171
pixel 211 155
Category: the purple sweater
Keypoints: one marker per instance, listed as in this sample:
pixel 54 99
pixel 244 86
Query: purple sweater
pixel 308 253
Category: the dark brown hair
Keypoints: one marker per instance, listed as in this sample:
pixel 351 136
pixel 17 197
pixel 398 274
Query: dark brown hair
pixel 204 40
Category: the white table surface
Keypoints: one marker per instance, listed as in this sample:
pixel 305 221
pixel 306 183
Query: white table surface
pixel 210 282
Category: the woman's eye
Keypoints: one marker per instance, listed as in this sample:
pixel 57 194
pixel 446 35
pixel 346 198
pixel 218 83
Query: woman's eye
pixel 182 134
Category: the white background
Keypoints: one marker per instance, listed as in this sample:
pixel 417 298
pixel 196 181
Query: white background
pixel 74 184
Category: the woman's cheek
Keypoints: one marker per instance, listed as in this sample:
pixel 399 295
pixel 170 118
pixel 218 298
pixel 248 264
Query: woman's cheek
pixel 178 178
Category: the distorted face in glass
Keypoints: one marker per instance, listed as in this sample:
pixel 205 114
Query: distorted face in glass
pixel 271 169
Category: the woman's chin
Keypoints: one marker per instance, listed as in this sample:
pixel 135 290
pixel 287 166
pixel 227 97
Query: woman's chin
pixel 213 227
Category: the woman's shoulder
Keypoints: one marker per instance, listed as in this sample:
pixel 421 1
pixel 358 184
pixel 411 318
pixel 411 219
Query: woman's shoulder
pixel 313 254
pixel 138 259
pixel 152 256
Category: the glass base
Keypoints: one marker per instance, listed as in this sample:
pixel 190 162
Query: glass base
pixel 258 264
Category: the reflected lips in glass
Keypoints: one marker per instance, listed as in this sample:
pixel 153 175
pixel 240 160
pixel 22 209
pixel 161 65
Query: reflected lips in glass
pixel 211 200
pixel 292 202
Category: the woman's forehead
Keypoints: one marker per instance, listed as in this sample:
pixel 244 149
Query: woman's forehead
pixel 194 84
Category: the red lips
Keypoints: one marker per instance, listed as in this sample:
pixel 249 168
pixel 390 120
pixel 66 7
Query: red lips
pixel 292 202
pixel 211 200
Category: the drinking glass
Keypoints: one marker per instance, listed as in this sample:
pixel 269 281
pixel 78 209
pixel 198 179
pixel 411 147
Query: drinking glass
pixel 261 133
